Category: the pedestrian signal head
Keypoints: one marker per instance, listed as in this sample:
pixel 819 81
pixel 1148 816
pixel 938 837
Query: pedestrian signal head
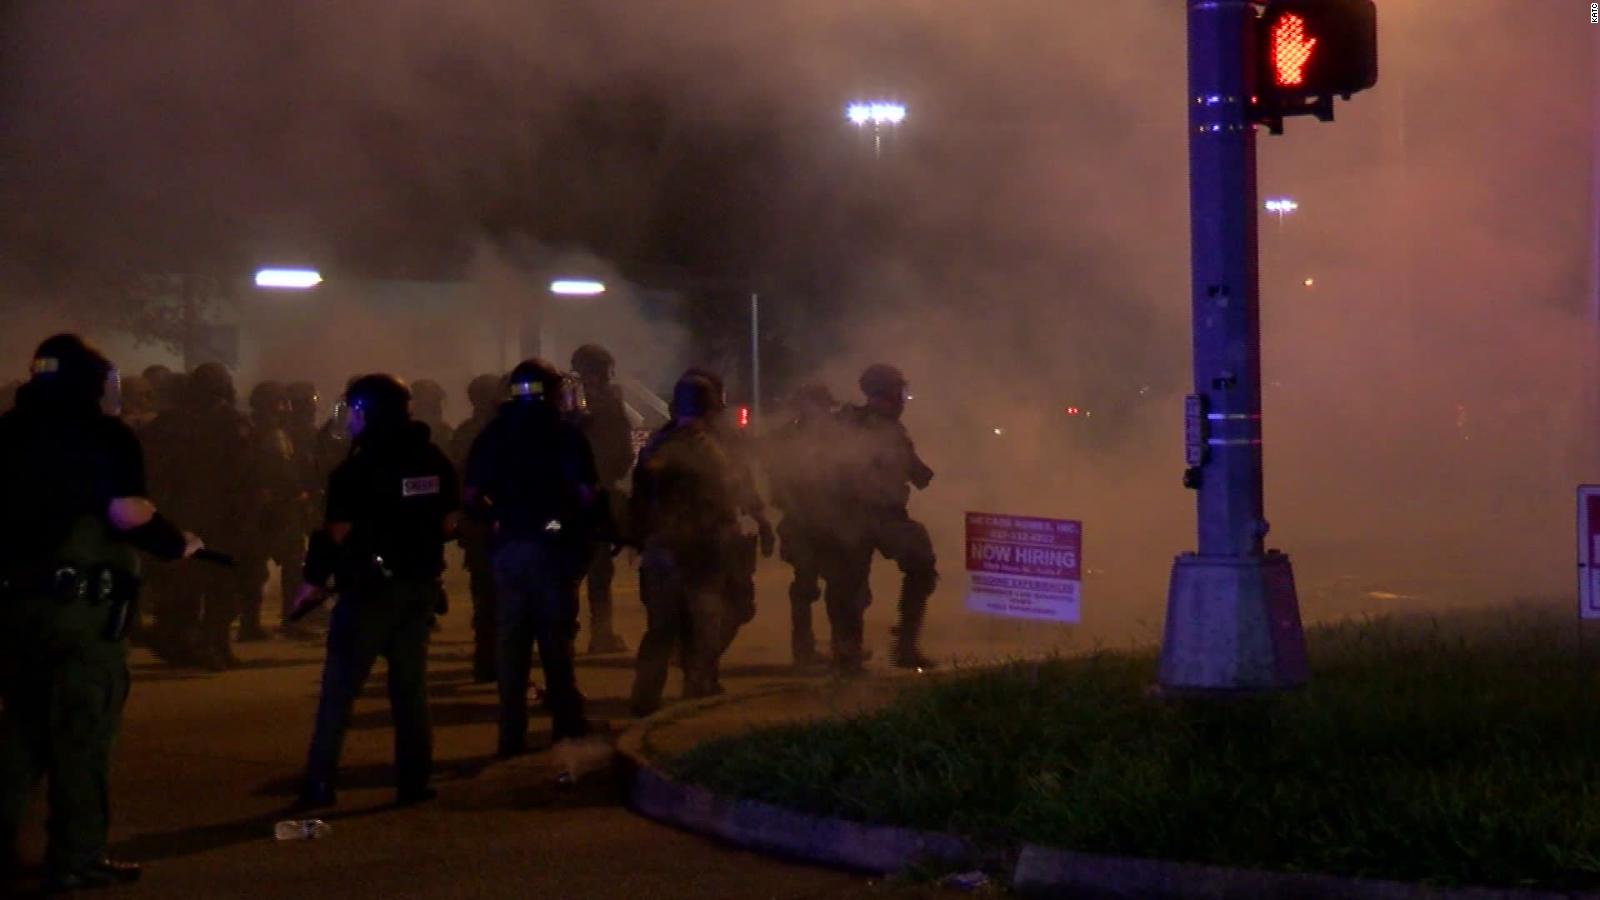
pixel 1310 51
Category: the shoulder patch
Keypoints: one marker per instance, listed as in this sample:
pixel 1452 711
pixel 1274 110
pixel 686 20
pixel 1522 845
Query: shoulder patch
pixel 419 487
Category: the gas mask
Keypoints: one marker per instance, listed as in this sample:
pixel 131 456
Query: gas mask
pixel 111 395
pixel 341 419
pixel 574 400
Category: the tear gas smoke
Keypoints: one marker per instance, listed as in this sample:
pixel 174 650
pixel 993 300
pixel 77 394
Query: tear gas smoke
pixel 1020 247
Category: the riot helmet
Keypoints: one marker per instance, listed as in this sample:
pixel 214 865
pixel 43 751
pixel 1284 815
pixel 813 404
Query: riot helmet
pixel 376 403
pixel 428 399
pixel 270 400
pixel 485 391
pixel 695 397
pixel 885 385
pixel 211 383
pixel 68 370
pixel 303 400
pixel 715 380
pixel 537 381
pixel 594 363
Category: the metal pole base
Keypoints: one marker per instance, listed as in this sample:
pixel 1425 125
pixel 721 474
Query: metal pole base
pixel 1233 625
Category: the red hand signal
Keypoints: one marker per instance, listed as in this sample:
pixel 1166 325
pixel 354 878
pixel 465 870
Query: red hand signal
pixel 1291 51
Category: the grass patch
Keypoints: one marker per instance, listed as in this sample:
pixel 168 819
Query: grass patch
pixel 1449 754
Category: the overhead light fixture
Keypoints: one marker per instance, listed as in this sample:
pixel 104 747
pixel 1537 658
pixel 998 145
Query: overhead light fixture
pixel 288 279
pixel 577 287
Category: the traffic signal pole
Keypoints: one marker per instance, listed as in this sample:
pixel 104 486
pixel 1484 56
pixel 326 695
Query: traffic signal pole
pixel 1233 621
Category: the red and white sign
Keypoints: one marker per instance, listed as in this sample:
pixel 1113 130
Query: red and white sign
pixel 1023 567
pixel 1589 551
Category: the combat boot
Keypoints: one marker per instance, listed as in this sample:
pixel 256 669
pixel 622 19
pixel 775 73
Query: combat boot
pixel 105 873
pixel 802 640
pixel 914 592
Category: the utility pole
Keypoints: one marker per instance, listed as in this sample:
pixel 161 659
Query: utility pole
pixel 755 356
pixel 1233 621
pixel 191 324
pixel 1592 389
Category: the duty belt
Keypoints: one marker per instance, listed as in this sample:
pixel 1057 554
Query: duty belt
pixel 97 585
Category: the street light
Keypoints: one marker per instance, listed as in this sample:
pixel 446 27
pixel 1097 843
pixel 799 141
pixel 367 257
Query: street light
pixel 288 279
pixel 577 287
pixel 879 115
pixel 1282 206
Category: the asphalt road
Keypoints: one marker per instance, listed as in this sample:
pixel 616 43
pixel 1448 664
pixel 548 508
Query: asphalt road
pixel 208 762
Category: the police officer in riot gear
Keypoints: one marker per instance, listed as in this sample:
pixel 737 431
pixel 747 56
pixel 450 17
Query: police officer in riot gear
pixel 605 424
pixel 428 400
pixel 198 452
pixel 797 461
pixel 391 506
pixel 306 510
pixel 875 480
pixel 486 392
pixel 73 508
pixel 684 514
pixel 739 584
pixel 273 518
pixel 531 476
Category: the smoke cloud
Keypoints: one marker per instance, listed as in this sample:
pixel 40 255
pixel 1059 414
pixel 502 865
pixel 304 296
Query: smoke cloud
pixel 1018 247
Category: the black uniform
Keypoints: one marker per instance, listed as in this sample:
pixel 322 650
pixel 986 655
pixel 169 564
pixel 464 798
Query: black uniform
pixel 65 577
pixel 395 491
pixel 533 476
pixel 684 511
pixel 611 437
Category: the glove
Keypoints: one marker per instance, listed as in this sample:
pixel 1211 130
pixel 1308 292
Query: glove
pixel 309 597
pixel 769 540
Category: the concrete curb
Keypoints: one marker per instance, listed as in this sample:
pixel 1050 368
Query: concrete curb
pixel 1041 872
pixel 771 829
pixel 1047 872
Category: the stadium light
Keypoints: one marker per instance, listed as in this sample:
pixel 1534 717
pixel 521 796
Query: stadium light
pixel 877 113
